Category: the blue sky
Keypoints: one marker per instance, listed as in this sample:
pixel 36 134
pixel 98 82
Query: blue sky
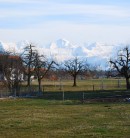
pixel 79 21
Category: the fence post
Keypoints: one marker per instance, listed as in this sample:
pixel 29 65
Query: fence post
pixel 15 92
pixel 102 85
pixel 93 87
pixel 43 89
pixel 83 96
pixel 63 95
pixel 1 94
pixel 60 84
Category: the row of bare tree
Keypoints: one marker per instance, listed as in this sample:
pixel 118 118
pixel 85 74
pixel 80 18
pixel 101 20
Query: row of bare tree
pixel 16 68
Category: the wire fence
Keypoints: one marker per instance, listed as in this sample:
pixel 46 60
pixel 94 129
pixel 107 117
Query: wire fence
pixel 21 92
pixel 82 96
pixel 65 91
pixel 89 85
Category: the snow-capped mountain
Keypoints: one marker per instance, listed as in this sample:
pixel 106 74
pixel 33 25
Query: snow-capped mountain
pixel 7 47
pixel 62 49
pixel 95 53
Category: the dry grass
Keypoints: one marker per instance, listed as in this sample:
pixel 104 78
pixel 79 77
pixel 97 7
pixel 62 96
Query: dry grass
pixel 36 118
pixel 84 85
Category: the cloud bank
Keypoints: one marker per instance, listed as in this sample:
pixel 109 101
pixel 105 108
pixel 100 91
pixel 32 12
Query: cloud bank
pixel 78 21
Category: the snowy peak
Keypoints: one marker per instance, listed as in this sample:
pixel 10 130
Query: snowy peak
pixel 62 49
pixel 22 44
pixel 8 47
pixel 62 43
pixel 90 46
pixel 79 52
pixel 98 49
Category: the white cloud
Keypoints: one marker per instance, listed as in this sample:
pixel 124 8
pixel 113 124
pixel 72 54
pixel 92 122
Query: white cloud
pixel 76 33
pixel 78 23
pixel 46 8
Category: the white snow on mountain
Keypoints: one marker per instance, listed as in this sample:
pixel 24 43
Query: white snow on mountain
pixel 62 49
pixel 98 49
pixel 8 47
pixel 21 44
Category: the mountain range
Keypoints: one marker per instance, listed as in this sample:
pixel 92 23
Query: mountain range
pixel 96 53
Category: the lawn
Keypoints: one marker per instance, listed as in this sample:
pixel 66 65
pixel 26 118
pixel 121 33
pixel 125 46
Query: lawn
pixel 32 118
pixel 83 85
pixel 66 86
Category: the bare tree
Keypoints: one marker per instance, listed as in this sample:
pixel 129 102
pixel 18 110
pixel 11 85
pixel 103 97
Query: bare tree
pixel 122 64
pixel 41 67
pixel 12 71
pixel 28 60
pixel 75 67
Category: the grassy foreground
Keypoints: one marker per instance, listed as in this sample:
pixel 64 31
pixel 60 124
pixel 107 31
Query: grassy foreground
pixel 32 118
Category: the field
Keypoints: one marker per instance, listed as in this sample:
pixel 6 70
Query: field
pixel 38 118
pixel 90 88
pixel 84 85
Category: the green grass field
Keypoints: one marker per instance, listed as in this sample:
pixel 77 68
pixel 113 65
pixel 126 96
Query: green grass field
pixel 66 86
pixel 37 118
pixel 84 85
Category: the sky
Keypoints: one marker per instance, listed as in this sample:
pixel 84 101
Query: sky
pixel 79 21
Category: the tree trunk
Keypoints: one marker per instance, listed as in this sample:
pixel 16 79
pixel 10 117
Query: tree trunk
pixel 29 83
pixel 127 83
pixel 74 84
pixel 29 79
pixel 39 85
pixel 16 87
